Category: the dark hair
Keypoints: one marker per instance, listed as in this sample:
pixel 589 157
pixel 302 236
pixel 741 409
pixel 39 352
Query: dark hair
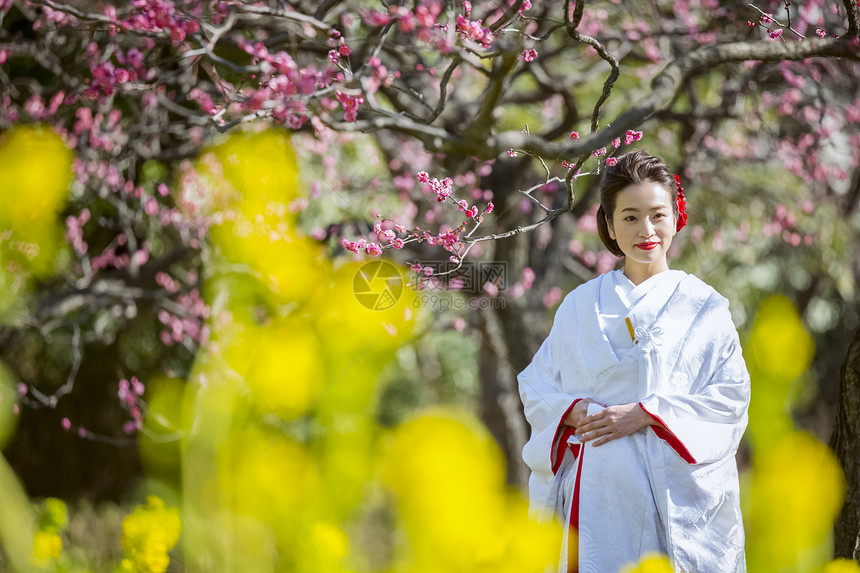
pixel 632 168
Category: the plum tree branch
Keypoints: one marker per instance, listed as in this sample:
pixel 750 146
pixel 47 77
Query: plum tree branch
pixel 506 17
pixel 851 10
pixel 665 87
pixel 443 91
pixel 492 94
pixel 51 400
pixel 72 11
pixel 297 17
pixel 613 74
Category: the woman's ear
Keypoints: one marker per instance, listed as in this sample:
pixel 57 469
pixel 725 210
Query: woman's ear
pixel 610 228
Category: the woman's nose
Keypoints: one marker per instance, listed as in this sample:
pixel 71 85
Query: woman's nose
pixel 647 229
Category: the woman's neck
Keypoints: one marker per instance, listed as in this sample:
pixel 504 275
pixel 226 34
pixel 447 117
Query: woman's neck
pixel 639 273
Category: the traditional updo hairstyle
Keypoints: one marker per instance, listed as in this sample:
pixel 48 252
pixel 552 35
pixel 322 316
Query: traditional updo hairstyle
pixel 632 168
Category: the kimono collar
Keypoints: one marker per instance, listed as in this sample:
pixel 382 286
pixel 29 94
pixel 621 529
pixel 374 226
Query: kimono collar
pixel 646 302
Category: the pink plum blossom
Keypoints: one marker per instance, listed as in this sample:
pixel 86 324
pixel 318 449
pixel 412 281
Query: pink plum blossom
pixel 373 249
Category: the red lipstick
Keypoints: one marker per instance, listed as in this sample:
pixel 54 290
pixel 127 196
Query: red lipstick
pixel 646 246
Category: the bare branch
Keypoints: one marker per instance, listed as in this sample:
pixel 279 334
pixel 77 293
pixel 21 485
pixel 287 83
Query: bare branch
pixel 443 91
pixel 435 137
pixel 666 85
pixel 285 14
pixel 225 127
pixel 851 9
pixel 577 12
pixel 324 7
pixel 50 400
pixel 206 50
pixel 72 11
pixel 613 74
pixel 494 91
pixel 778 23
pixel 551 216
pixel 528 192
pixel 506 17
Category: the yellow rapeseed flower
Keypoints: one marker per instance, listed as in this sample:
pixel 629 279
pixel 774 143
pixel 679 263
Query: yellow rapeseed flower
pixel 35 174
pixel 273 478
pixel 35 169
pixel 247 184
pixel 842 566
pixel 778 352
pixel 779 344
pixel 46 547
pixel 792 499
pixel 286 388
pixel 148 534
pixel 253 173
pixel 650 563
pixel 54 515
pixel 448 474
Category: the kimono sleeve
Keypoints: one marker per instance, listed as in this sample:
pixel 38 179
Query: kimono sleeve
pixel 544 402
pixel 707 424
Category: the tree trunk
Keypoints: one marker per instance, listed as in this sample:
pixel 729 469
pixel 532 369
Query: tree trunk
pixel 501 408
pixel 845 442
pixel 503 352
pixel 512 334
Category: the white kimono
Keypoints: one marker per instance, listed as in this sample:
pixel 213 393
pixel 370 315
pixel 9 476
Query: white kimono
pixel 672 491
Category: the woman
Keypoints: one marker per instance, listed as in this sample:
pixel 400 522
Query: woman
pixel 638 398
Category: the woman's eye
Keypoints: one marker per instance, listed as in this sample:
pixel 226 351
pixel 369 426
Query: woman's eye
pixel 629 218
pixel 660 215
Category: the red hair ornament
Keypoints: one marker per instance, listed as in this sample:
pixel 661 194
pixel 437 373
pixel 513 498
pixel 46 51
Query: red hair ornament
pixel 682 206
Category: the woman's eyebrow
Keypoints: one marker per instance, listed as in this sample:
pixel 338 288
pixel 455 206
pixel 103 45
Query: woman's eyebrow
pixel 655 208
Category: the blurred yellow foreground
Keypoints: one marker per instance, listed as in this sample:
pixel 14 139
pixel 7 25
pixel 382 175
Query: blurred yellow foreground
pixel 283 465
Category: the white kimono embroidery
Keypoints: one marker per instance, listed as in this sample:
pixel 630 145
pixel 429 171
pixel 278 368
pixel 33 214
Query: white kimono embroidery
pixel 671 491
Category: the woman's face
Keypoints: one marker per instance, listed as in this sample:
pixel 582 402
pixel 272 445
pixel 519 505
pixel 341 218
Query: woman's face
pixel 643 223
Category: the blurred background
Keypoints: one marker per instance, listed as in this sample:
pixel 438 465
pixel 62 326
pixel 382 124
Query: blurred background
pixel 262 308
